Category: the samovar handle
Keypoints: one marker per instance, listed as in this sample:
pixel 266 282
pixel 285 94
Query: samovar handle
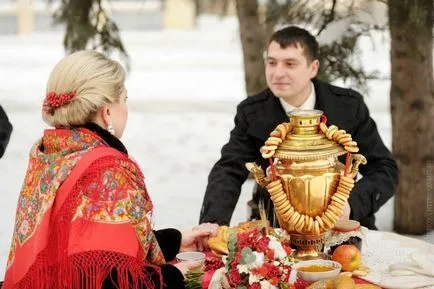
pixel 358 160
pixel 258 173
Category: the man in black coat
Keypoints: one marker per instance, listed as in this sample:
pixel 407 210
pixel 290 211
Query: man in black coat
pixel 291 66
pixel 5 131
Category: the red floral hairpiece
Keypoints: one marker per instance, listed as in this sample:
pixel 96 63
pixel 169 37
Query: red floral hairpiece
pixel 56 100
pixel 53 100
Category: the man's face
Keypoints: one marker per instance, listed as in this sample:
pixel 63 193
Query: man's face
pixel 288 71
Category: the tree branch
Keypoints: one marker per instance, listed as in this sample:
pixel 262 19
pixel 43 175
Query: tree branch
pixel 328 18
pixel 89 26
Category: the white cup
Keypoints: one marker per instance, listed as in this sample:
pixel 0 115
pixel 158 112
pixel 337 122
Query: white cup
pixel 191 256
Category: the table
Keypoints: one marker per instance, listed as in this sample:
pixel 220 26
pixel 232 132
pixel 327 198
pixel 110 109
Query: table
pixel 382 249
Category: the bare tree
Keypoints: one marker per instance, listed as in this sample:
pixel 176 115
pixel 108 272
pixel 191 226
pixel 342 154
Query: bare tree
pixel 412 106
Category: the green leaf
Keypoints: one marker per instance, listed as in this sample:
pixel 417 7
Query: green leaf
pixel 241 287
pixel 193 280
pixel 232 240
pixel 232 246
pixel 229 260
pixel 247 256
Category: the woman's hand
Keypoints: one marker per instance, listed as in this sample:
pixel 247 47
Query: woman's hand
pixel 197 238
pixel 186 266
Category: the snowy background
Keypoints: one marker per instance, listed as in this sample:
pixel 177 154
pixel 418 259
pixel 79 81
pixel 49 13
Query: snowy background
pixel 183 90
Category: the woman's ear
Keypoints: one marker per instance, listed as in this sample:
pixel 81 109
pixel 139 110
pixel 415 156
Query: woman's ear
pixel 105 115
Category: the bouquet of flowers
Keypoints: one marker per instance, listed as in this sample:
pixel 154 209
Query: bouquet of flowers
pixel 256 260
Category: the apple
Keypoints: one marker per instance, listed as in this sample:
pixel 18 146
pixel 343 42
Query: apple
pixel 348 256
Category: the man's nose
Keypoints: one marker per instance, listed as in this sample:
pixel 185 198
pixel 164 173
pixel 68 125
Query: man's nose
pixel 279 71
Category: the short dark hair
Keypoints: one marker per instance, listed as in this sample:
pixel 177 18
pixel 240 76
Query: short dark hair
pixel 294 36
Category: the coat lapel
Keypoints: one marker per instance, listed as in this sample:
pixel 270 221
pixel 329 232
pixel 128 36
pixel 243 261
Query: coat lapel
pixel 267 117
pixel 322 99
pixel 268 114
pixel 330 105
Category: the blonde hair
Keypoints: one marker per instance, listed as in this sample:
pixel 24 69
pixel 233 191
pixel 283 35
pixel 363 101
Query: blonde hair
pixel 95 79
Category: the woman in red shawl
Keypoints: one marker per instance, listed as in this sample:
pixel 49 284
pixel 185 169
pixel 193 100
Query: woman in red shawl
pixel 83 219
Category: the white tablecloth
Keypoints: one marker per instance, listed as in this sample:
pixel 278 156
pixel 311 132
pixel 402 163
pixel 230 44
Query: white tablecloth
pixel 382 249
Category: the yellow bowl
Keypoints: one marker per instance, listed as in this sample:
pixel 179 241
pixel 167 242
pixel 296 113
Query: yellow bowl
pixel 334 269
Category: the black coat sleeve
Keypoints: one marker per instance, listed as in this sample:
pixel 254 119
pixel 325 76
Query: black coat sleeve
pixel 228 174
pixel 5 131
pixel 172 278
pixel 169 241
pixel 380 174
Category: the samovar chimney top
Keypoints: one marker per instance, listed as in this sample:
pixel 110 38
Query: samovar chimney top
pixel 306 141
pixel 305 122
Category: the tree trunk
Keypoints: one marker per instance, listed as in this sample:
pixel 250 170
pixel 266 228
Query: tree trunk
pixel 252 40
pixel 412 98
pixel 271 19
pixel 212 7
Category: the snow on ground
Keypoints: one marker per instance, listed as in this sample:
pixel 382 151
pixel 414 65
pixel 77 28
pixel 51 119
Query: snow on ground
pixel 183 90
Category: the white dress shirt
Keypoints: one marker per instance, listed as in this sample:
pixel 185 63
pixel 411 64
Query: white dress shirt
pixel 308 104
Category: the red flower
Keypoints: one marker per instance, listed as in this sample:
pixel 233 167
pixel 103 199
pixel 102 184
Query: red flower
pixel 235 277
pixel 270 254
pixel 236 260
pixel 300 284
pixel 262 244
pixel 247 239
pixel 213 263
pixel 262 271
pixel 273 271
pixel 274 281
pixel 285 273
pixel 287 249
pixel 255 285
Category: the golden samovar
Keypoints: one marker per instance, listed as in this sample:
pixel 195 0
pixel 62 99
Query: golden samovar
pixel 307 184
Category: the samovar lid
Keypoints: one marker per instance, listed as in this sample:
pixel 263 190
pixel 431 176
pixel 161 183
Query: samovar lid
pixel 306 141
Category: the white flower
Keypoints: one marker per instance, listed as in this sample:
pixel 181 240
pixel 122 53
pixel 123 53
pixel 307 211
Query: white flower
pixel 259 260
pixel 266 285
pixel 279 252
pixel 224 259
pixel 292 277
pixel 219 279
pixel 276 263
pixel 254 278
pixel 287 262
pixel 243 268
